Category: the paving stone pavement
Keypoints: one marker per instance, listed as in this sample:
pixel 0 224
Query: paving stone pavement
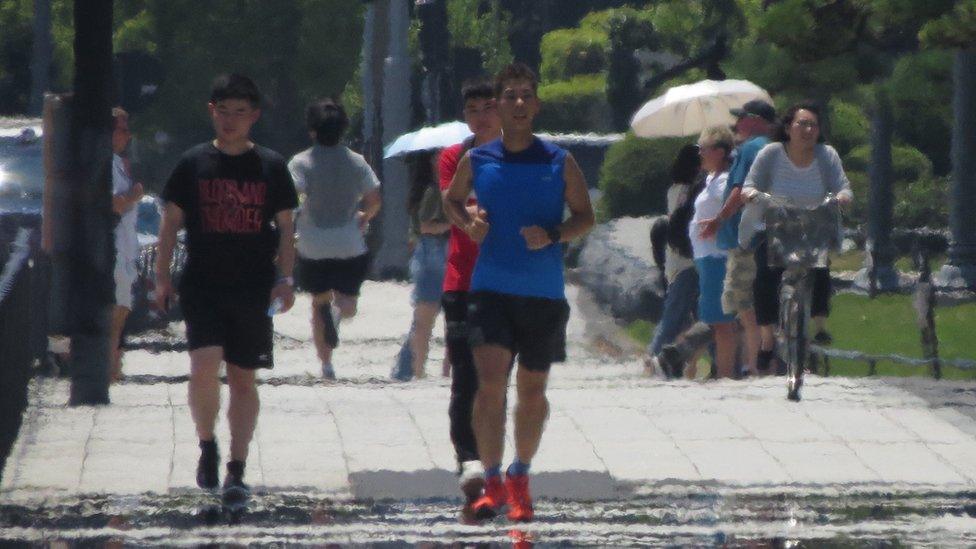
pixel 611 433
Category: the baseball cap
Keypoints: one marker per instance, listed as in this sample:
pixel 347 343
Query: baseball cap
pixel 756 107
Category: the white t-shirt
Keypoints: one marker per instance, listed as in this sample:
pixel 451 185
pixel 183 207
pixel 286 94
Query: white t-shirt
pixel 332 181
pixel 674 262
pixel 126 242
pixel 707 205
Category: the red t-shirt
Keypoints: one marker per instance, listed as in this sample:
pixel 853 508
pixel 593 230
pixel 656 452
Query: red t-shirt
pixel 462 252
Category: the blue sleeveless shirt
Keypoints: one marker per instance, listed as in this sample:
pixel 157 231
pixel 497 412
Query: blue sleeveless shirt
pixel 519 190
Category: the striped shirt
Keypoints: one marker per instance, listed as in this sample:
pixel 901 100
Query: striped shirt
pixel 804 186
pixel 773 172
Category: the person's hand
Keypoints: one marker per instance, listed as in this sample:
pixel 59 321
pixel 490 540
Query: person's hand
pixel 478 227
pixel 843 199
pixel 749 194
pixel 362 221
pixel 709 227
pixel 164 292
pixel 535 237
pixel 136 192
pixel 283 290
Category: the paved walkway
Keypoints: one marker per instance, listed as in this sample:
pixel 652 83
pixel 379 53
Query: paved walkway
pixel 611 434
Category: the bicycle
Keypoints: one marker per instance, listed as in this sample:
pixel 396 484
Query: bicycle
pixel 798 239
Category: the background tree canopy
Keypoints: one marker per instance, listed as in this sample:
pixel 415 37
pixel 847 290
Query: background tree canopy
pixel 296 51
pixel 598 60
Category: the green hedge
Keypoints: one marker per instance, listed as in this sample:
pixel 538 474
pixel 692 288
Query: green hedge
pixel 908 163
pixel 849 126
pixel 571 52
pixel 920 197
pixel 923 203
pixel 635 176
pixel 577 105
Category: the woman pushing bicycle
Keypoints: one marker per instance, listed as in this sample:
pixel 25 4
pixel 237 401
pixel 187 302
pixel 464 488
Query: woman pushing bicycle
pixel 802 169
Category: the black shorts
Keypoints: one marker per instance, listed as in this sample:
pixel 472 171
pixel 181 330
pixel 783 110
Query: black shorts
pixel 767 287
pixel 532 327
pixel 236 320
pixel 322 275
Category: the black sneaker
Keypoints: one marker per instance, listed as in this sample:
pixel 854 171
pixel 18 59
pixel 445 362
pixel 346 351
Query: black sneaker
pixel 671 362
pixel 765 360
pixel 235 491
pixel 823 337
pixel 208 476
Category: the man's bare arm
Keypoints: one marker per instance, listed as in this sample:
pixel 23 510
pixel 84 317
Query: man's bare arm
pixel 286 242
pixel 283 288
pixel 581 218
pixel 170 224
pixel 372 202
pixel 455 199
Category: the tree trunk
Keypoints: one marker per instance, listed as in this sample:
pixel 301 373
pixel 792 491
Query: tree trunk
pixel 41 53
pixel 392 257
pixel 374 51
pixel 881 193
pixel 963 214
pixel 435 47
pixel 960 272
pixel 92 253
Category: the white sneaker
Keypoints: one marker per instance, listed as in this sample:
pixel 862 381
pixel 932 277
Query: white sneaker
pixel 652 368
pixel 472 479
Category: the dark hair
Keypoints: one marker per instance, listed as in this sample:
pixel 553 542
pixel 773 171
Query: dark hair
pixel 783 130
pixel 686 165
pixel 477 88
pixel 328 120
pixel 235 86
pixel 515 71
pixel 421 177
pixel 659 241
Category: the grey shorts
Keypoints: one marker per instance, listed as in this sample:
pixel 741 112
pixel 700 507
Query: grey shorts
pixel 740 275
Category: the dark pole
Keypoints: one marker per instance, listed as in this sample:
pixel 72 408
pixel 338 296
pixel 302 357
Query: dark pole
pixel 91 284
pixel 881 193
pixel 40 56
pixel 961 268
pixel 435 46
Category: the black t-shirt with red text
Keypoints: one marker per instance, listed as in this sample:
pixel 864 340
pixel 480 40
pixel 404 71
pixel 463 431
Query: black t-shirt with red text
pixel 229 204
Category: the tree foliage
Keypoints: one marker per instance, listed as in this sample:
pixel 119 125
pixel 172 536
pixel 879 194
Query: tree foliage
pixel 955 27
pixel 296 51
pixel 482 26
pixel 635 176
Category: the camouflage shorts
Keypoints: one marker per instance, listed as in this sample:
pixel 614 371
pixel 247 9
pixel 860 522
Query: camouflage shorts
pixel 740 273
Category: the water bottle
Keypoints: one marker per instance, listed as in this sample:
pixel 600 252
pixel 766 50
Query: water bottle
pixel 276 306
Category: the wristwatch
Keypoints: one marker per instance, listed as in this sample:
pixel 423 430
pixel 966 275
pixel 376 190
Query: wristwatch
pixel 554 235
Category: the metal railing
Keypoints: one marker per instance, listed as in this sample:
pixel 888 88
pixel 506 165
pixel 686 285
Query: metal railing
pixel 924 304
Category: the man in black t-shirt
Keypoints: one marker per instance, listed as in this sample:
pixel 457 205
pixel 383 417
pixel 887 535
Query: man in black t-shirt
pixel 235 200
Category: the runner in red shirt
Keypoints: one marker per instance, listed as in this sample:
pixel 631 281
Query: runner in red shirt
pixel 479 113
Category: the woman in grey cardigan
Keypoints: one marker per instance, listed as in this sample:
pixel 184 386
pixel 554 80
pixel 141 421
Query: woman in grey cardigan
pixel 800 167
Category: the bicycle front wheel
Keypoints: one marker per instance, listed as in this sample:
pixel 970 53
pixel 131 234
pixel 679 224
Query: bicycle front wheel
pixel 792 324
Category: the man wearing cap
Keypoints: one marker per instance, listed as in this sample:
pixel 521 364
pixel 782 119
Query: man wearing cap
pixel 754 123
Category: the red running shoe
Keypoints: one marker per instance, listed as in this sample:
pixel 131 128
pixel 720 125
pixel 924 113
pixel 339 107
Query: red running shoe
pixel 519 499
pixel 491 500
